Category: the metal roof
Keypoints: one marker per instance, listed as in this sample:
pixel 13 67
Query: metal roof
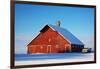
pixel 66 34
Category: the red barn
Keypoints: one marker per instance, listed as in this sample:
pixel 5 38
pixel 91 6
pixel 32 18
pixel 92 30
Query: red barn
pixel 54 39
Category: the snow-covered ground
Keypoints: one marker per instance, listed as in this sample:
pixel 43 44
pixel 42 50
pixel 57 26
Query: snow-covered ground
pixel 36 59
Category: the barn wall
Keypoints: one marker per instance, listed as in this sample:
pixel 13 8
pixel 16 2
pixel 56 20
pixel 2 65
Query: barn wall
pixel 47 38
pixel 77 48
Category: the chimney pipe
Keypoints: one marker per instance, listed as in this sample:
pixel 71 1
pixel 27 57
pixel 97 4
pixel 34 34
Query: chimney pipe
pixel 58 23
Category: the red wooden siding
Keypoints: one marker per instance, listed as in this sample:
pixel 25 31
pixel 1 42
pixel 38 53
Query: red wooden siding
pixel 49 41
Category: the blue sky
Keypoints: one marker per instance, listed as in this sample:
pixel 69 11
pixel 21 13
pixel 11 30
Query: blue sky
pixel 30 18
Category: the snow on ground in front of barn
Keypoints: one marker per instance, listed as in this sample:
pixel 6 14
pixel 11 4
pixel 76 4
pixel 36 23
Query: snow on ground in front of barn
pixel 35 59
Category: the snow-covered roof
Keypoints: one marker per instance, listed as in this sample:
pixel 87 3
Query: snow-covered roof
pixel 66 34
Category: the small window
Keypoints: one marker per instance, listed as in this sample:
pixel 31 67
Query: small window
pixel 41 47
pixel 49 39
pixel 57 46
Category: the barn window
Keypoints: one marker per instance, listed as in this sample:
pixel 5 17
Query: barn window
pixel 57 46
pixel 65 44
pixel 41 47
pixel 49 39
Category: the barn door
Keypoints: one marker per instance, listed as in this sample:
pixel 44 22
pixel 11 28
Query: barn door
pixel 49 49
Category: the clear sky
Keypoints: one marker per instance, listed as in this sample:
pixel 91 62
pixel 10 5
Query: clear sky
pixel 30 18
